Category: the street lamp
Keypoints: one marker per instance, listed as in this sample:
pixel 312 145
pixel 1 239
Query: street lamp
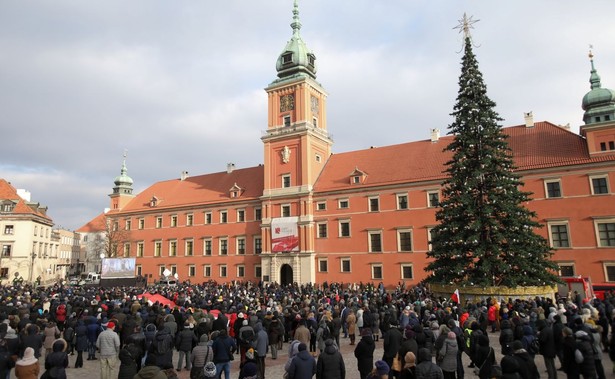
pixel 32 256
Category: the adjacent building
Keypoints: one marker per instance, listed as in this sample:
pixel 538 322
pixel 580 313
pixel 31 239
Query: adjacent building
pixel 307 215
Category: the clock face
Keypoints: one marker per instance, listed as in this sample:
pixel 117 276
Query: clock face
pixel 314 101
pixel 287 103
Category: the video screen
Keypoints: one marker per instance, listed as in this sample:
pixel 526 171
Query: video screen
pixel 118 268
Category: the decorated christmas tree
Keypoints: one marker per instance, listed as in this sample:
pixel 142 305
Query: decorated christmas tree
pixel 485 236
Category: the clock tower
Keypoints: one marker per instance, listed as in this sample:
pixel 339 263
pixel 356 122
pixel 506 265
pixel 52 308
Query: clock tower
pixel 296 148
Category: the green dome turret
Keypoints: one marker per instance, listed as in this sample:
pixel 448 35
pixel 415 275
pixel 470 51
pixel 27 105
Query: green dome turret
pixel 296 58
pixel 598 103
pixel 123 182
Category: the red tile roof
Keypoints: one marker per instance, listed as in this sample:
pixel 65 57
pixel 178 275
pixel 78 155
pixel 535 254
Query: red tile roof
pixel 97 224
pixel 202 189
pixel 8 192
pixel 544 145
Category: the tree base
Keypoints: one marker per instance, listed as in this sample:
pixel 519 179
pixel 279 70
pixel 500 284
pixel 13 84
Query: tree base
pixel 476 293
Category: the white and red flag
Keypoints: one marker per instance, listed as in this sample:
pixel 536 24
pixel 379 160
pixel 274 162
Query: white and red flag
pixel 455 296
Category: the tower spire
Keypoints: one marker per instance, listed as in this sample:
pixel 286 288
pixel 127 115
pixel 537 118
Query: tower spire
pixel 296 59
pixel 594 78
pixel 296 24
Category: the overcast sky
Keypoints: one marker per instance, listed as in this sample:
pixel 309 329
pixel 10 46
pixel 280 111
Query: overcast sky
pixel 179 84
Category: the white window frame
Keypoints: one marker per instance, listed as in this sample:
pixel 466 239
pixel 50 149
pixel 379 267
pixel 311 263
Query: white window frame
pixel 139 270
pixel 399 232
pixel 341 201
pixel 591 184
pixel 397 200
pixel 546 186
pixel 432 192
pixel 256 215
pixel 321 206
pixel 286 120
pixel 127 224
pixel 283 182
pixel 429 247
pixel 238 243
pixel 370 233
pixel 369 203
pixel 239 269
pixel 570 264
pixel 189 247
pixel 221 268
pixel 159 223
pixel 339 226
pixel 606 275
pixel 597 222
pixel 141 223
pixel 207 271
pixel 158 248
pixel 173 221
pixel 223 217
pixel 126 249
pixel 401 269
pixel 191 271
pixel 211 247
pixel 189 219
pixel 260 238
pixel 208 218
pixel 550 231
pixel 283 207
pixel 326 228
pixel 220 242
pixel 172 250
pixel 140 249
pixel 258 268
pixel 241 215
pixel 374 266
pixel 326 262
pixel 161 269
pixel 342 260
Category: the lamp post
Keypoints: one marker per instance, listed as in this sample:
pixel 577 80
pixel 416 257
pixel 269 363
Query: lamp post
pixel 32 257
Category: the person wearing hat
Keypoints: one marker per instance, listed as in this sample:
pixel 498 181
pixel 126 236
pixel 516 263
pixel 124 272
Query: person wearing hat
pixel 27 367
pixel 150 370
pixel 351 323
pixel 184 342
pixel 303 365
pixel 57 361
pixel 408 371
pixel 527 367
pixel 108 344
pixel 380 371
pixel 364 352
pixel 201 354
pixel 330 364
pixel 248 369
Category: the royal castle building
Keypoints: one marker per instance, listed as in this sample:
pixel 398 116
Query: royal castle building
pixel 307 215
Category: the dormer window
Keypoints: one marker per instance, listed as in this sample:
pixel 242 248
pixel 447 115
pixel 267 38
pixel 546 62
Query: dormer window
pixel 153 202
pixel 311 59
pixel 235 191
pixel 287 58
pixel 357 176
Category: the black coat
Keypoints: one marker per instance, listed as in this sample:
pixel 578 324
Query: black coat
pixel 527 367
pixel 570 366
pixel 330 364
pixel 364 352
pixel 81 343
pixel 392 342
pixel 185 340
pixel 547 342
pixel 128 363
pixel 162 348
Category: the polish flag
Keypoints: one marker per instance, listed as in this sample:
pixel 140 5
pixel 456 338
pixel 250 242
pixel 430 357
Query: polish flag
pixel 455 296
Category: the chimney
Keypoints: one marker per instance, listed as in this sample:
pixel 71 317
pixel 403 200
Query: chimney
pixel 230 167
pixel 183 176
pixel 529 119
pixel 435 135
pixel 567 126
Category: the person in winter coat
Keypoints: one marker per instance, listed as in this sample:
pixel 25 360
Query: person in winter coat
pixel 546 341
pixel 249 369
pixel 302 333
pixel 303 365
pixel 527 367
pixel 27 367
pixel 50 334
pixel 223 347
pixel 569 345
pixel 56 362
pixel 92 330
pixel 409 343
pixel 137 338
pixel 485 357
pixel 275 334
pixel 6 361
pixel 260 345
pixel 61 316
pixel 293 350
pixel 506 337
pixel 528 339
pixel 150 370
pixel 587 368
pixel 448 356
pixel 129 355
pixel 33 339
pixel 364 352
pixel 201 354
pixel 330 364
pixel 426 369
pixel 81 342
pixel 510 367
pixel 408 370
pixel 162 348
pixel 184 342
pixel 351 322
pixel 392 342
pixel 108 344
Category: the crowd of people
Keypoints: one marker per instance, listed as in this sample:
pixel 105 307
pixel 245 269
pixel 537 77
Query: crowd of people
pixel 210 325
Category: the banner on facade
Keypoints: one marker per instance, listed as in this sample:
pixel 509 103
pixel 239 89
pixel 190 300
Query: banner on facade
pixel 284 234
pixel 118 268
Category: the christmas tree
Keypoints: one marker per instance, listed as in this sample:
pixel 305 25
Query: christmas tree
pixel 485 235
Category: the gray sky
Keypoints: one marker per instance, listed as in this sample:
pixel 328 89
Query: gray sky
pixel 179 84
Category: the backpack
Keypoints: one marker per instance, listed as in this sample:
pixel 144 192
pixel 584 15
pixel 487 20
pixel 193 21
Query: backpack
pixel 326 332
pixel 69 333
pixel 534 346
pixel 246 336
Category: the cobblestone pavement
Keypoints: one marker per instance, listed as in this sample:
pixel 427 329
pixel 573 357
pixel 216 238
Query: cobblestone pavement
pixel 275 367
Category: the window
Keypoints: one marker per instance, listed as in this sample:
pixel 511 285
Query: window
pixel 609 271
pixel 323 265
pixel 286 120
pixel 287 58
pixel 374 204
pixel 223 246
pixel 343 203
pixel 128 225
pixel 375 241
pixel 173 270
pixel 140 249
pixel 241 245
pixel 553 188
pixel 207 247
pixel 223 271
pixel 172 248
pixel 603 146
pixel 345 265
pixel 126 250
pixel 189 248
pixel 191 270
pixel 433 199
pixel 35 230
pixel 158 222
pixel 322 230
pixel 207 218
pixel 4 272
pixel 600 185
pixel 241 215
pixel 6 250
pixel 566 269
pixel 344 228
pixel 402 202
pixel 285 210
pixel 404 240
pixel 258 214
pixel 321 206
pixel 258 271
pixel 285 181
pixel 115 226
pixel 9 229
pixel 241 271
pixel 157 248
pixel 606 234
pixel 559 235
pixel 406 271
pixel 207 271
pixel 376 271
pixel 161 269
pixel 139 270
pixel 429 238
pixel 258 245
pixel 223 217
pixel 318 157
pixel 356 179
pixel 141 223
pixel 189 220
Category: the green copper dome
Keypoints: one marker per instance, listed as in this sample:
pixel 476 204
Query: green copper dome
pixel 296 58
pixel 598 103
pixel 123 180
